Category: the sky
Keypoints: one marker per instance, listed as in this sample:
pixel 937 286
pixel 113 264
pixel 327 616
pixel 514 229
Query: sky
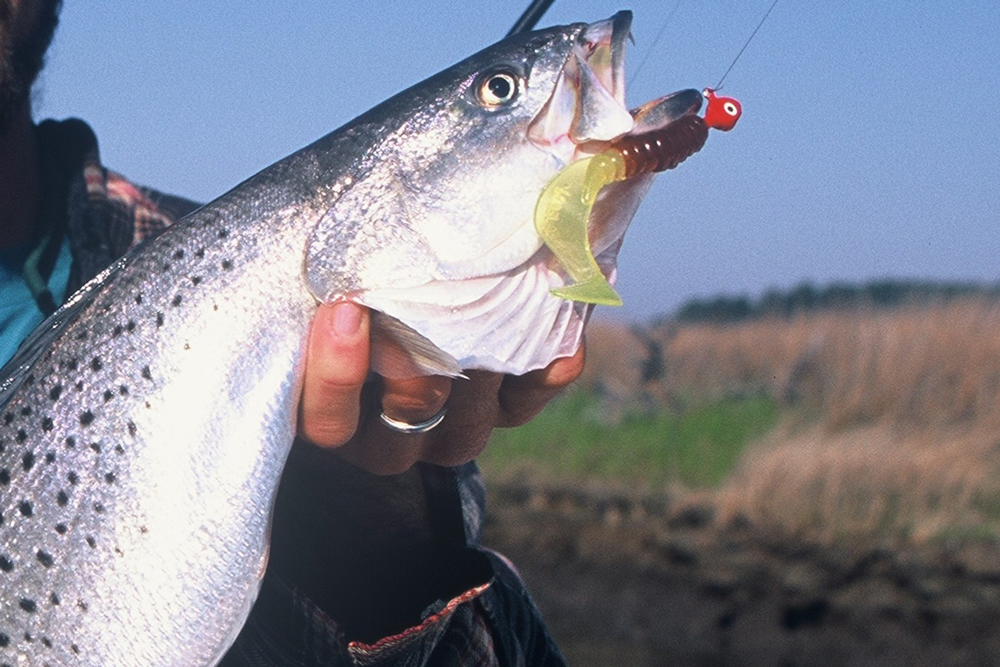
pixel 868 146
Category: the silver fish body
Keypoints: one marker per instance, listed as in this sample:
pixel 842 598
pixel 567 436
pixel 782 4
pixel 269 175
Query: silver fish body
pixel 144 427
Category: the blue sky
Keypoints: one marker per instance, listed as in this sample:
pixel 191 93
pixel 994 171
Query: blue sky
pixel 868 147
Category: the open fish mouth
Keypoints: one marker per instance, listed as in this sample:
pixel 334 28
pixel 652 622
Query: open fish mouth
pixel 587 114
pixel 587 111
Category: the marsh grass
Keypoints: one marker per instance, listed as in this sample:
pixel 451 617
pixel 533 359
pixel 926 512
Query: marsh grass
pixel 857 424
pixel 573 439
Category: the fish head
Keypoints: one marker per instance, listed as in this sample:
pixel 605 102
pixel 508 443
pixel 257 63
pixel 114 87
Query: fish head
pixel 433 223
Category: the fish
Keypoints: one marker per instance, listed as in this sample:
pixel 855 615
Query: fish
pixel 144 426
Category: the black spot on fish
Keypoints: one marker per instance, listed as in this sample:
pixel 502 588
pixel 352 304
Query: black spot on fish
pixel 226 265
pixel 199 253
pixel 79 385
pixel 91 542
pixel 81 336
pixel 46 642
pixel 62 498
pixel 223 233
pixel 96 446
pixel 176 301
pixel 45 558
pixel 95 364
pixel 28 638
pixel 73 364
pixel 119 449
pixel 4 476
pixel 138 298
pixel 195 280
pixel 143 530
pixel 50 457
pixel 4 640
pixel 109 478
pixel 54 599
pixel 55 392
pixel 26 508
pixel 146 373
pixel 179 254
pixel 72 478
pixel 99 508
pixel 6 564
pixel 117 331
pixel 27 605
pixel 74 648
pixel 61 528
pixel 122 390
pixel 8 418
pixel 28 461
pixel 166 266
pixel 108 395
pixel 130 326
pixel 132 428
pixel 159 319
pixel 70 442
pixel 21 435
pixel 26 411
pixel 47 424
pixel 86 418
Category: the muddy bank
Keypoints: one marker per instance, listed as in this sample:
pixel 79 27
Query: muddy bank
pixel 646 580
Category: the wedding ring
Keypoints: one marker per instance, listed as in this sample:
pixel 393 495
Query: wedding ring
pixel 408 428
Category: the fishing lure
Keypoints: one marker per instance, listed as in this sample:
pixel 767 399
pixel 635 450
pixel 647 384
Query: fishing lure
pixel 721 112
pixel 563 210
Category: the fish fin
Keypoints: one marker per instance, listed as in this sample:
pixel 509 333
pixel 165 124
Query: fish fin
pixel 400 352
pixel 14 371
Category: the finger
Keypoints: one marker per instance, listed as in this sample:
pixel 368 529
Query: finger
pixel 413 400
pixel 522 397
pixel 381 450
pixel 336 369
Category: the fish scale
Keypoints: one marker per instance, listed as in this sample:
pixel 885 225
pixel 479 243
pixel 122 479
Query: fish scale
pixel 145 425
pixel 92 406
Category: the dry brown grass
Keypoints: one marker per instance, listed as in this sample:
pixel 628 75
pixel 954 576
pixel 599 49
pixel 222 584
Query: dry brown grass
pixel 872 483
pixel 893 416
pixel 926 365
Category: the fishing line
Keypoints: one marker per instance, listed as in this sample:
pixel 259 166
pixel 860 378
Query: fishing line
pixel 659 36
pixel 719 85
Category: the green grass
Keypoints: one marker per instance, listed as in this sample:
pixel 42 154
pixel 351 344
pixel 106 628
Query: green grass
pixel 698 447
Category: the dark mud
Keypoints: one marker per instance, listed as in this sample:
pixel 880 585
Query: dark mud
pixel 639 580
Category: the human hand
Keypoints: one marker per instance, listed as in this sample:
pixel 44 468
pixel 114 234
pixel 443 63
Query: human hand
pixel 338 409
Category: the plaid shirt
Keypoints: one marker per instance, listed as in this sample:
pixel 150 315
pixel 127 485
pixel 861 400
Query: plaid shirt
pixel 494 622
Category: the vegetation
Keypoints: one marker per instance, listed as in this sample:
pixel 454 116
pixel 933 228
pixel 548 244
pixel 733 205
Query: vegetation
pixel 571 440
pixel 845 423
pixel 807 298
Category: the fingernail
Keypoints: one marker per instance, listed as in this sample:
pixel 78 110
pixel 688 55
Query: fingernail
pixel 346 318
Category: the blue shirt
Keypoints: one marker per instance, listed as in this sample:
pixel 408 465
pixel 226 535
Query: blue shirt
pixel 19 314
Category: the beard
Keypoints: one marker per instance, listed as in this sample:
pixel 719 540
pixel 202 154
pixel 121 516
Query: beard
pixel 22 56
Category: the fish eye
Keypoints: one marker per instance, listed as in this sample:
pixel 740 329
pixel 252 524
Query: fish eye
pixel 497 88
pixel 730 108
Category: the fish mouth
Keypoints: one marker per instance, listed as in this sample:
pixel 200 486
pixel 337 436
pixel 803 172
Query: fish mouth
pixel 586 112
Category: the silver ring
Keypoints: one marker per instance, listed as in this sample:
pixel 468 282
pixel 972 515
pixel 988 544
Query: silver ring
pixel 408 428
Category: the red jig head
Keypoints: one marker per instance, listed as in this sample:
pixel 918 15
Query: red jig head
pixel 721 112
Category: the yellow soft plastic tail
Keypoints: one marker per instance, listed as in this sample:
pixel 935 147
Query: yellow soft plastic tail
pixel 562 216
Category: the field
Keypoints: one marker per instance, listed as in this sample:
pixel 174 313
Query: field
pixel 835 473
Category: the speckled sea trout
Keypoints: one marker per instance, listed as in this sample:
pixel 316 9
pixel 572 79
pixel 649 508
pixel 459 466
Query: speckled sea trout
pixel 144 427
